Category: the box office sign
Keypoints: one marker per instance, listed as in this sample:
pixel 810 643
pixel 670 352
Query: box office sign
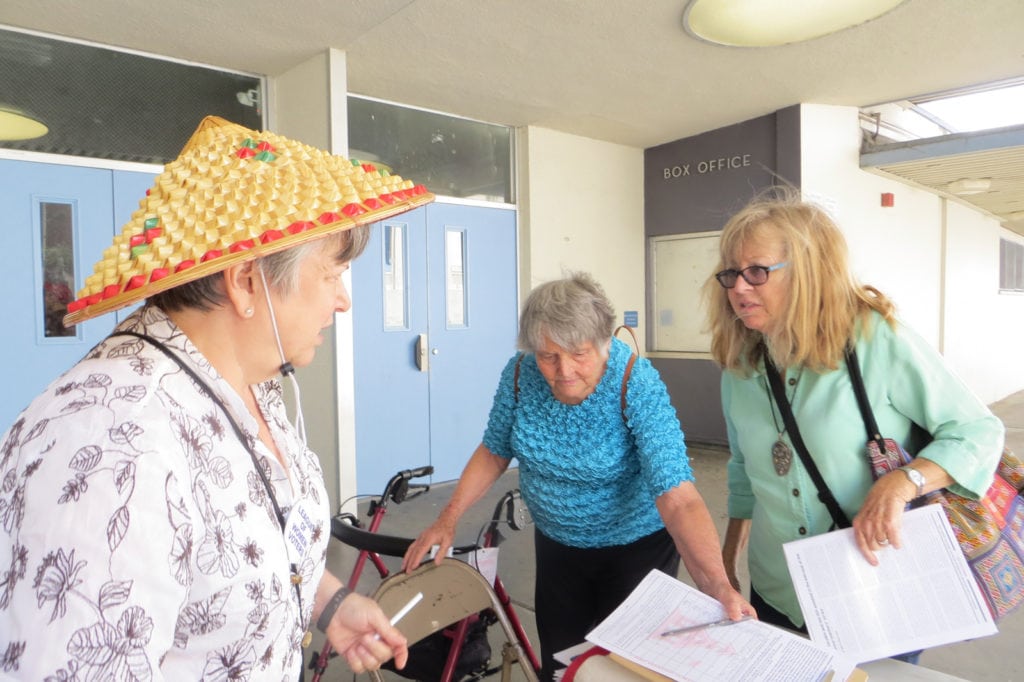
pixel 706 166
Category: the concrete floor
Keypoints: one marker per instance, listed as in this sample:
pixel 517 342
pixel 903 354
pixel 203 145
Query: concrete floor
pixel 991 659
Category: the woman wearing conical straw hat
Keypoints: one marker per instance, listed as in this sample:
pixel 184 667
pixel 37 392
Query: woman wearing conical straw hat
pixel 160 518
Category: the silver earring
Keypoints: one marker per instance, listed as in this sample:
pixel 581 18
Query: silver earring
pixel 248 312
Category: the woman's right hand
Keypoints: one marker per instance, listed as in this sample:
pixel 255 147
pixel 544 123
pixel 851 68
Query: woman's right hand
pixel 440 533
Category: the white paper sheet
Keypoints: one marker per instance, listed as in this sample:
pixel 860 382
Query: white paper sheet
pixel 919 596
pixel 750 650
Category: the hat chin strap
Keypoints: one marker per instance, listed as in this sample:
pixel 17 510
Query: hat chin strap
pixel 287 370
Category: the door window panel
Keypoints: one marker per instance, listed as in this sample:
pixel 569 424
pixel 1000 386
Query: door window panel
pixel 56 221
pixel 455 277
pixel 396 293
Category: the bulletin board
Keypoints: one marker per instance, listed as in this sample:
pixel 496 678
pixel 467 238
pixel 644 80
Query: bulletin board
pixel 681 264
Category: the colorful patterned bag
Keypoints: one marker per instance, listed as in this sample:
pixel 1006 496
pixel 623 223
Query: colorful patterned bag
pixel 990 530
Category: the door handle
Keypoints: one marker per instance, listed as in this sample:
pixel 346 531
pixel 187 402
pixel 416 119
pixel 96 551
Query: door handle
pixel 422 361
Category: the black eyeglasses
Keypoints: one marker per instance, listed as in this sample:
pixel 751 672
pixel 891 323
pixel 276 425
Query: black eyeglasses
pixel 755 275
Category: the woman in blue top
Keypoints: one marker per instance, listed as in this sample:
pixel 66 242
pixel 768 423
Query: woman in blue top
pixel 610 489
pixel 784 290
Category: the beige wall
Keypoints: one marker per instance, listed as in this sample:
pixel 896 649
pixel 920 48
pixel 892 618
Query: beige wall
pixel 581 208
pixel 938 259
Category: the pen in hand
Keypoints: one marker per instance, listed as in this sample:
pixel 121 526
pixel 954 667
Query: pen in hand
pixel 703 626
pixel 402 612
pixel 407 608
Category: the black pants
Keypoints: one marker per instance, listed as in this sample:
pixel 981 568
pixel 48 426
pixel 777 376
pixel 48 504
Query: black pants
pixel 577 588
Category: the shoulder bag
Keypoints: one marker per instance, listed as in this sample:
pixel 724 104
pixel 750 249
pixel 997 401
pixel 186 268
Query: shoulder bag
pixel 990 530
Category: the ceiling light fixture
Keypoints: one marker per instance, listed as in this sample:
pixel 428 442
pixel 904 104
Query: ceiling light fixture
pixel 967 186
pixel 768 23
pixel 17 125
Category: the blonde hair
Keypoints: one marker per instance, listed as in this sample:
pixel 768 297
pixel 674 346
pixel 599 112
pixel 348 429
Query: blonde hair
pixel 826 305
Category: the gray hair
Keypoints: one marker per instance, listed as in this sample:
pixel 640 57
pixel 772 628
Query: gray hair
pixel 570 312
pixel 281 268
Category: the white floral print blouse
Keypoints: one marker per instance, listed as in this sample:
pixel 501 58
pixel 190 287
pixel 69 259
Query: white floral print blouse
pixel 137 540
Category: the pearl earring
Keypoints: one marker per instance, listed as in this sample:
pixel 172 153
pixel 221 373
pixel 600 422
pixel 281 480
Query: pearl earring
pixel 248 312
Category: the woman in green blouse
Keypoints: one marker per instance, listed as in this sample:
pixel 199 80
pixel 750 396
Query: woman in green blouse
pixel 784 291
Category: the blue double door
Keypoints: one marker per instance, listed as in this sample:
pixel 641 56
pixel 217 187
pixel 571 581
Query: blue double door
pixel 435 316
pixel 434 301
pixel 56 221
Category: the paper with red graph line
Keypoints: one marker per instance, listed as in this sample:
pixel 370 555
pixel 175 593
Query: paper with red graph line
pixel 750 650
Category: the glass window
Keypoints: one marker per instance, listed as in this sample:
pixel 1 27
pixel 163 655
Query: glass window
pixel 396 294
pixel 455 277
pixel 58 266
pixel 1011 266
pixel 452 156
pixel 103 103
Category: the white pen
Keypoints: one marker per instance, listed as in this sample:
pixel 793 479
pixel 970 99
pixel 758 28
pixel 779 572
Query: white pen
pixel 402 612
pixel 703 626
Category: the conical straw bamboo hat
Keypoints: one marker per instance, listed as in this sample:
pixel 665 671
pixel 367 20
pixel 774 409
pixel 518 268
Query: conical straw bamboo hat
pixel 235 194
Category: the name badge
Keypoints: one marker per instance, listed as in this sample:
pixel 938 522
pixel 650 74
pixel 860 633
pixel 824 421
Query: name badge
pixel 298 531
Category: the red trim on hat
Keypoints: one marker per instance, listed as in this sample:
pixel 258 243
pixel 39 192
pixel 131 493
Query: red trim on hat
pixel 300 226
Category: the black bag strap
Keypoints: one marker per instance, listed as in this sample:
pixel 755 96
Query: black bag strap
pixel 853 366
pixel 839 517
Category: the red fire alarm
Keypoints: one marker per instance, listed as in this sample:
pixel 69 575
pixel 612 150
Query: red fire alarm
pixel 888 199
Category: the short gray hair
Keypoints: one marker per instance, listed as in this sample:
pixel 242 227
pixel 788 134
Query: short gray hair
pixel 281 268
pixel 570 312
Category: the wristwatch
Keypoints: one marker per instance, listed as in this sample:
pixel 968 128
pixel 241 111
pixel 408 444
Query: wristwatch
pixel 916 477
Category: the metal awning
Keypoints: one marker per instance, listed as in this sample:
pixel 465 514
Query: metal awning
pixel 983 169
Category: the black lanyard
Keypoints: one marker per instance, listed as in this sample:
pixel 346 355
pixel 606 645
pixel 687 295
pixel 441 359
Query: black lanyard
pixel 238 432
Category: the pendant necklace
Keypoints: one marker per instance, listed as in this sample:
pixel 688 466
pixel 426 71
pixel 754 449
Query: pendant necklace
pixel 782 454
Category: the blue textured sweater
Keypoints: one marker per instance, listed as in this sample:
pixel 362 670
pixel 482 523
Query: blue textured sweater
pixel 587 479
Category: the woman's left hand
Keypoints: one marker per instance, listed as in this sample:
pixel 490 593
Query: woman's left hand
pixel 877 524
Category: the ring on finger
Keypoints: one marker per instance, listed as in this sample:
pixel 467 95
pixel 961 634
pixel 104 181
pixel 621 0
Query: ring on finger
pixel 883 541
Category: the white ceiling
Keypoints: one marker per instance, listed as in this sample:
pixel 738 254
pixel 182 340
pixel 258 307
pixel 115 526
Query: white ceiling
pixel 617 70
pixel 622 71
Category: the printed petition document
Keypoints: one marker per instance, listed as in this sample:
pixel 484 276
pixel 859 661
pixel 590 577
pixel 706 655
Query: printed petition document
pixel 919 596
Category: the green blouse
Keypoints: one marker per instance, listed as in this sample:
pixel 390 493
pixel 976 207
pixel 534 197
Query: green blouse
pixel 907 383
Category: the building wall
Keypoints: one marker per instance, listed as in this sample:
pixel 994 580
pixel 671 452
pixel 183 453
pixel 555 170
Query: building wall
pixel 938 259
pixel 692 186
pixel 581 207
